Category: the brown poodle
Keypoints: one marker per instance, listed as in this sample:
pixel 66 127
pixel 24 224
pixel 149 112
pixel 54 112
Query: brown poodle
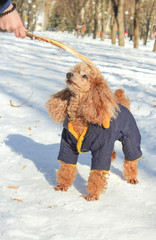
pixel 94 118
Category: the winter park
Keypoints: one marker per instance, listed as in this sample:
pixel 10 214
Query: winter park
pixel 30 207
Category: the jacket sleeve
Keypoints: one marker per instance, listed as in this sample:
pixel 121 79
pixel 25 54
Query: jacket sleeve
pixel 4 4
pixel 101 157
pixel 68 152
pixel 131 140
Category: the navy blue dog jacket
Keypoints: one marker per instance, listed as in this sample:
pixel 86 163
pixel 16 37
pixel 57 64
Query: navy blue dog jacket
pixel 100 141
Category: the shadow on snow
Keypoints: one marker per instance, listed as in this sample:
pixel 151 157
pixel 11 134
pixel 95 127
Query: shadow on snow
pixel 45 159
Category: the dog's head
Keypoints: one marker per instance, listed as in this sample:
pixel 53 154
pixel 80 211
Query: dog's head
pixel 79 78
pixel 98 101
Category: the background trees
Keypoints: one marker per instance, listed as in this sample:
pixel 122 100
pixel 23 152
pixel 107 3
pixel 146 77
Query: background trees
pixel 29 11
pixel 116 19
pixel 118 15
pixel 138 5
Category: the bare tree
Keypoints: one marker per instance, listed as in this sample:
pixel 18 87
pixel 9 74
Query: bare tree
pixel 96 4
pixel 46 9
pixel 149 8
pixel 153 23
pixel 138 4
pixel 27 10
pixel 121 22
pixel 114 22
pixel 129 17
pixel 105 12
pixel 70 12
pixel 88 16
pixel 118 20
pixel 154 48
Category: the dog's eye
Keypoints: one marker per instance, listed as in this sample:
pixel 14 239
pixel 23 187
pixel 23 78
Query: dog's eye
pixel 85 76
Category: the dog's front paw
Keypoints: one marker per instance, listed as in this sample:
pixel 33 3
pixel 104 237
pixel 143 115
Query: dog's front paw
pixel 92 197
pixel 61 187
pixel 133 181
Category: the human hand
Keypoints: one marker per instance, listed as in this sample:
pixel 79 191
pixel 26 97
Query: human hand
pixel 12 23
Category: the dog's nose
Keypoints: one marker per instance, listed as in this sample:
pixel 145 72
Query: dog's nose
pixel 69 75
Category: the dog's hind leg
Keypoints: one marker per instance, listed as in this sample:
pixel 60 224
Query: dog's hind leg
pixel 130 171
pixel 65 176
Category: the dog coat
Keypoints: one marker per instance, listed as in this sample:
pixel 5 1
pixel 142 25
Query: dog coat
pixel 100 141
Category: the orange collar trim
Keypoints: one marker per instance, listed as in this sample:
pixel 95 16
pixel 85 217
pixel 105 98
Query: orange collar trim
pixel 106 122
pixel 72 131
pixel 76 135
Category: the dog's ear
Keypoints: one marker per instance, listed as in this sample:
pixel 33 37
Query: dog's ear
pixel 63 95
pixel 99 104
pixel 57 105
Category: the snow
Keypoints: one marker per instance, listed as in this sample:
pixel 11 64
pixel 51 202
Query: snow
pixel 29 144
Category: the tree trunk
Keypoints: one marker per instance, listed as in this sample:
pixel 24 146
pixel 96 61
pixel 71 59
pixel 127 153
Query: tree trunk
pixel 151 27
pixel 103 20
pixel 149 9
pixel 136 33
pixel 114 29
pixel 131 29
pixel 114 25
pixel 147 31
pixel 95 19
pixel 136 23
pixel 154 48
pixel 121 22
pixel 46 9
pixel 82 32
pixel 102 35
pixel 118 10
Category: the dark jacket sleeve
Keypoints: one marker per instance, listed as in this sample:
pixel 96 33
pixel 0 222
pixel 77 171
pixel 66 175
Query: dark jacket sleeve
pixel 101 157
pixel 4 4
pixel 131 140
pixel 68 152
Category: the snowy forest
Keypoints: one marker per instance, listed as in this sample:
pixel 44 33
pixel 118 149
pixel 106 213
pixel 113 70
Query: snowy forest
pixel 100 18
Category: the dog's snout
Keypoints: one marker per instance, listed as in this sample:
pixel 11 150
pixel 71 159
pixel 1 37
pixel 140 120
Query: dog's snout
pixel 69 75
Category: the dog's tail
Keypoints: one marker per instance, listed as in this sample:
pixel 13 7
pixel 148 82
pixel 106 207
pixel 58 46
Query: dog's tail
pixel 122 99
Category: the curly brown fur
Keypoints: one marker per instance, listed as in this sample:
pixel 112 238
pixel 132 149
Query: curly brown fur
pixel 87 99
pixel 130 171
pixel 84 101
pixel 97 183
pixel 65 176
pixel 57 105
pixel 122 99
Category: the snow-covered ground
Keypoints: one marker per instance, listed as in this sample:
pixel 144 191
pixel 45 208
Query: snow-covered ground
pixel 30 208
